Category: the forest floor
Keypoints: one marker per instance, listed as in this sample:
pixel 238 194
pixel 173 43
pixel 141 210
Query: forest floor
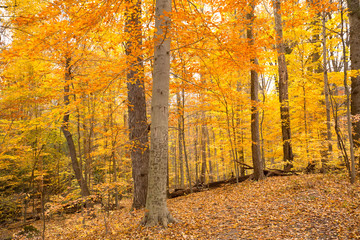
pixel 294 207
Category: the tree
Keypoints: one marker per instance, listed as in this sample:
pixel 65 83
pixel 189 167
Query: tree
pixel 347 93
pixel 203 149
pixel 283 88
pixel 69 138
pixel 138 125
pixel 255 135
pixel 180 112
pixel 326 93
pixel 157 212
pixel 354 37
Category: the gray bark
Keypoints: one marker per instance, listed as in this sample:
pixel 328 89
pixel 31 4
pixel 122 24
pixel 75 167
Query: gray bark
pixel 157 212
pixel 138 125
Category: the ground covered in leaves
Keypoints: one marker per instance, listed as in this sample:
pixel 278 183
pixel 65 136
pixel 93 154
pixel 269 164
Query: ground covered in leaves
pixel 295 207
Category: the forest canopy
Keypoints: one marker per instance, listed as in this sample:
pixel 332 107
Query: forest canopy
pixel 254 86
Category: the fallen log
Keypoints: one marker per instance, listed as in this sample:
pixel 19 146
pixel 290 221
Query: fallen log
pixel 278 172
pixel 202 187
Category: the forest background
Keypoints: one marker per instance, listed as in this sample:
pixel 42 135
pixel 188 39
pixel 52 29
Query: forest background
pixel 76 81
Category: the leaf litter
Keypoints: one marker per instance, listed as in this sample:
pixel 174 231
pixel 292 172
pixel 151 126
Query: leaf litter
pixel 294 207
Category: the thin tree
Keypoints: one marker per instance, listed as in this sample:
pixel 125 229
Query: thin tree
pixel 283 88
pixel 203 150
pixel 347 92
pixel 326 92
pixel 65 129
pixel 180 113
pixel 157 212
pixel 138 125
pixel 326 146
pixel 183 139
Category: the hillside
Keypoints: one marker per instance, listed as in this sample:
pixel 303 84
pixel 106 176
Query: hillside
pixel 295 207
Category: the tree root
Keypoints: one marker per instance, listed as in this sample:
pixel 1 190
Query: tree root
pixel 158 219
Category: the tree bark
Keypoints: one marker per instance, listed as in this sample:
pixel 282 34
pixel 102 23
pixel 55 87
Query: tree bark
pixel 65 129
pixel 283 88
pixel 347 93
pixel 326 94
pixel 203 152
pixel 326 147
pixel 180 140
pixel 183 138
pixel 138 125
pixel 211 176
pixel 354 37
pixel 157 212
pixel 196 153
pixel 255 135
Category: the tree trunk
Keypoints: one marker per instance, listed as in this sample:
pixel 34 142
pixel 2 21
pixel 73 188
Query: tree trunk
pixel 203 152
pixel 306 124
pixel 283 88
pixel 113 154
pixel 347 93
pixel 86 151
pixel 255 135
pixel 175 165
pixel 354 18
pixel 240 151
pixel 157 212
pixel 242 154
pixel 326 94
pixel 138 125
pixel 196 154
pixel 211 177
pixel 262 122
pixel 180 140
pixel 65 129
pixel 183 138
pixel 326 147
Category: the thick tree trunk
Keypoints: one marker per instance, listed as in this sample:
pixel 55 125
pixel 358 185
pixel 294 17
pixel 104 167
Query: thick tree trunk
pixel 354 17
pixel 255 135
pixel 69 139
pixel 157 212
pixel 138 125
pixel 283 88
